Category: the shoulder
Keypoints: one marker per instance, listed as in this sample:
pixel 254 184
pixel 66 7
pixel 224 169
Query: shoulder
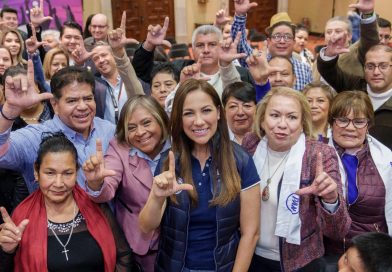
pixel 89 41
pixel 250 142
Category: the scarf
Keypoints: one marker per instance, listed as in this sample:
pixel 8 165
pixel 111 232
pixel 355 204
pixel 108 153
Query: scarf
pixel 32 252
pixel 288 222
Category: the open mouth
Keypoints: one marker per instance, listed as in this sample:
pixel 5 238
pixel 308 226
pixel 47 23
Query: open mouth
pixel 200 132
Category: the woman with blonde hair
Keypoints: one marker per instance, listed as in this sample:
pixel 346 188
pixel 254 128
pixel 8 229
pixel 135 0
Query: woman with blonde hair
pixel 300 185
pixel 55 59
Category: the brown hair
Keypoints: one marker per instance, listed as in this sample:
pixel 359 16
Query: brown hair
pixel 19 57
pixel 288 92
pixel 221 148
pixel 49 59
pixel 357 101
pixel 152 106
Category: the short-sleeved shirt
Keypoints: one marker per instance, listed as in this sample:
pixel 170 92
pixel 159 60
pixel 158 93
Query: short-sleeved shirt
pixel 202 224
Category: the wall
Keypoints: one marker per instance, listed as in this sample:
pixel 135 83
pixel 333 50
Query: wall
pixel 319 11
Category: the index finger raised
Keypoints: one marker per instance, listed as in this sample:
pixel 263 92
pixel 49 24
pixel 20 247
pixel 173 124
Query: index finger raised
pixel 165 25
pixel 123 20
pixel 319 164
pixel 98 147
pixel 172 163
pixel 30 73
pixel 6 217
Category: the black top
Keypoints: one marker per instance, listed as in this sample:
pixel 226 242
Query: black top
pixel 84 253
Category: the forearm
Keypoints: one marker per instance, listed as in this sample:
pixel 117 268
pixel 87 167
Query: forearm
pixel 151 215
pixel 7 117
pixel 245 251
pixel 143 63
pixel 369 37
pixel 128 75
pixel 39 72
pixel 239 24
pixel 229 74
pixel 262 90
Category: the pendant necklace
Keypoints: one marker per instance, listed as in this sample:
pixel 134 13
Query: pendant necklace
pixel 65 251
pixel 265 195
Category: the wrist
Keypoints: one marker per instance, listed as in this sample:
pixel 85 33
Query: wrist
pixel 148 46
pixel 367 14
pixel 239 14
pixel 118 52
pixel 223 64
pixel 330 200
pixel 9 113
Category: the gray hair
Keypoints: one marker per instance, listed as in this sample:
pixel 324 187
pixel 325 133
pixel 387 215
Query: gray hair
pixel 342 19
pixel 51 32
pixel 204 30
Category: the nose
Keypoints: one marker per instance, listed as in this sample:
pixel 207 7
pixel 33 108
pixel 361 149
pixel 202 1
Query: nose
pixel 82 105
pixel 313 104
pixel 240 110
pixel 282 123
pixel 162 89
pixel 58 180
pixel 140 130
pixel 198 120
pixel 61 66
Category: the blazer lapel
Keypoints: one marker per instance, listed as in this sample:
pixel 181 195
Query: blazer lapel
pixel 141 171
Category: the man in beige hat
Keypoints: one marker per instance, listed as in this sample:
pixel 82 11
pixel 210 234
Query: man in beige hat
pixel 280 40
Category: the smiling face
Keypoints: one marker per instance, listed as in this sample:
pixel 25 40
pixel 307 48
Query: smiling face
pixel 104 60
pixel 12 42
pixel 379 80
pixel 281 48
pixel 99 27
pixel 10 19
pixel 50 42
pixel 282 122
pixel 70 39
pixel 59 61
pixel 350 137
pixel 161 86
pixel 301 40
pixel 208 46
pixel 199 118
pixel 57 176
pixel 285 77
pixel 144 132
pixel 76 107
pixel 5 60
pixel 239 115
pixel 319 105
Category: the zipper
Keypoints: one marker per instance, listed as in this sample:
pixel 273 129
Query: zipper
pixel 187 233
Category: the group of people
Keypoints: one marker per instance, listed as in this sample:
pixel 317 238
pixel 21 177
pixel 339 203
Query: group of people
pixel 236 160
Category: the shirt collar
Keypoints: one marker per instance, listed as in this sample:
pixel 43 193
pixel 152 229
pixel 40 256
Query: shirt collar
pixel 70 133
pixel 135 151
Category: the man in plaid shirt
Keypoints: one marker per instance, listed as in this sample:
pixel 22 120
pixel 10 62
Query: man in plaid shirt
pixel 280 42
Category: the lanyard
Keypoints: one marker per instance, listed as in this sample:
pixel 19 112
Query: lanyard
pixel 114 100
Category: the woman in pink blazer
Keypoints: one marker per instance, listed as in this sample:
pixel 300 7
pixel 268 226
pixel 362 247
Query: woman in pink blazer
pixel 134 157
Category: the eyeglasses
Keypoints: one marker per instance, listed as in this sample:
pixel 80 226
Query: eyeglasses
pixel 278 36
pixel 383 66
pixel 343 122
pixel 98 26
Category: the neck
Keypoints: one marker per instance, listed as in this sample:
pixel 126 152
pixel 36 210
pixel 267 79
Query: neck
pixel 201 152
pixel 33 113
pixel 239 138
pixel 320 128
pixel 112 78
pixel 210 69
pixel 61 212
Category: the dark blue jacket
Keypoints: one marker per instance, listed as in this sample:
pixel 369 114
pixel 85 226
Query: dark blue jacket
pixel 175 223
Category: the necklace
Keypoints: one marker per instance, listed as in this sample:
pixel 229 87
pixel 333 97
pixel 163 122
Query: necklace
pixel 65 251
pixel 265 195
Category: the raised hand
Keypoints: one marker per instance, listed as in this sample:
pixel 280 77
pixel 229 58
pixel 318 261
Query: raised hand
pixel 37 15
pixel 259 67
pixel 364 6
pixel 165 184
pixel 117 38
pixel 10 234
pixel 242 7
pixel 156 36
pixel 80 54
pixel 31 43
pixel 94 169
pixel 221 19
pixel 21 94
pixel 228 51
pixel 323 185
pixel 193 70
pixel 337 45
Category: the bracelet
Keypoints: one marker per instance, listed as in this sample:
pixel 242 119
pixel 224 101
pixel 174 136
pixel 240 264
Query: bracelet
pixel 366 15
pixel 5 117
pixel 31 55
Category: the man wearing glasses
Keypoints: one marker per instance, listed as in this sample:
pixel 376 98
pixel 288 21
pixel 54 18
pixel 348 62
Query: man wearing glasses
pixel 377 82
pixel 280 42
pixel 98 29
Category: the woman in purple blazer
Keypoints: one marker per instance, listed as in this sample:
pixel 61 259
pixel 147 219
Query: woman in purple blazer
pixel 134 157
